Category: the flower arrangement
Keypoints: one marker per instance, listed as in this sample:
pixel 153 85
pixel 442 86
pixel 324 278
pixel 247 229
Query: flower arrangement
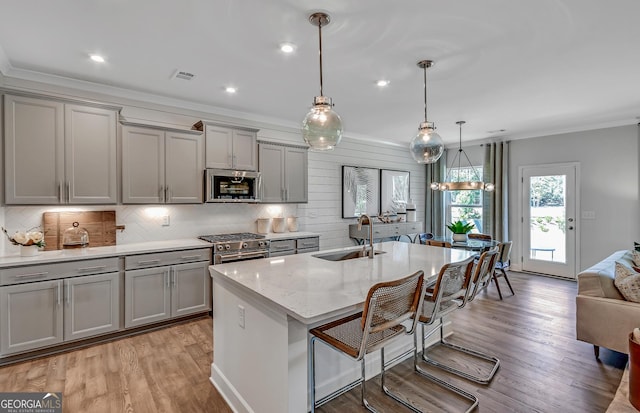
pixel 26 238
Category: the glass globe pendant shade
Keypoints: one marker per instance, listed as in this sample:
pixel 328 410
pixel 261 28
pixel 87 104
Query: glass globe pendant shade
pixel 427 146
pixel 489 187
pixel 322 127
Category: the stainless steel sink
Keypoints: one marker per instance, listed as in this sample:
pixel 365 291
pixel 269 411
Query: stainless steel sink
pixel 345 255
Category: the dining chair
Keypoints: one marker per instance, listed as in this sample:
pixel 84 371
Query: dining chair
pixel 480 278
pixel 502 263
pixel 388 305
pixel 435 243
pixel 424 237
pixel 448 294
pixel 484 237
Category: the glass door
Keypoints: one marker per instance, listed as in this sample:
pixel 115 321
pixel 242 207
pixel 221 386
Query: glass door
pixel 549 219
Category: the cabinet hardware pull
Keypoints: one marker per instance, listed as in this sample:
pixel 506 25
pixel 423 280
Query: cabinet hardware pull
pixel 148 262
pixel 35 274
pixel 308 244
pixel 190 257
pixel 58 288
pixel 68 293
pixel 166 278
pixel 60 192
pixel 173 277
pixel 161 193
pixel 96 268
pixel 167 194
pixel 68 192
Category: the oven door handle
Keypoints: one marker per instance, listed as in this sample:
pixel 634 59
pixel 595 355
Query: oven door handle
pixel 260 254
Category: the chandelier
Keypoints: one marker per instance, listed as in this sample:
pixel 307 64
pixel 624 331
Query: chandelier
pixel 322 127
pixel 427 146
pixel 449 185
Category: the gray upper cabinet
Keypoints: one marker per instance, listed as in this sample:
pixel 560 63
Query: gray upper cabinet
pixel 59 153
pixel 231 148
pixel 161 166
pixel 284 173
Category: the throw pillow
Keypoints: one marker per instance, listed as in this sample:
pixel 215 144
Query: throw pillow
pixel 636 258
pixel 636 246
pixel 627 281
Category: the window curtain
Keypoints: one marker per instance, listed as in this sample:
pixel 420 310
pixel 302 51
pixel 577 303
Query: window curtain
pixel 495 213
pixel 434 213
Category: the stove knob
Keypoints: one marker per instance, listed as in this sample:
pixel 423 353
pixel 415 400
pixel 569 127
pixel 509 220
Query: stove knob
pixel 227 246
pixel 261 244
pixel 245 245
pixel 220 247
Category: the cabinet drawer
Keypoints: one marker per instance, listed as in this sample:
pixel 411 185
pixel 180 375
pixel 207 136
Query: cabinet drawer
pixel 312 242
pixel 282 245
pixel 30 273
pixel 414 227
pixel 166 258
pixel 303 250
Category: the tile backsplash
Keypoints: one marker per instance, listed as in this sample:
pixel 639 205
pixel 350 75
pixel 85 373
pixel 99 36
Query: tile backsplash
pixel 145 222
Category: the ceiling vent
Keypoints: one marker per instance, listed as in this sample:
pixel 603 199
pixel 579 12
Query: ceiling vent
pixel 180 74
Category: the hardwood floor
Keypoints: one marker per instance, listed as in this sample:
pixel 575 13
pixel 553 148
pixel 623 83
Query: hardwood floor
pixel 543 367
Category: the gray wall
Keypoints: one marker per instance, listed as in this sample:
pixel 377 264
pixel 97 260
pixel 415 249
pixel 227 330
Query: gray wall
pixel 608 185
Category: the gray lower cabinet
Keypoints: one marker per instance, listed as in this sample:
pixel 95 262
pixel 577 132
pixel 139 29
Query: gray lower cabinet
pixel 281 247
pixel 161 293
pixel 45 313
pixel 91 305
pixel 31 316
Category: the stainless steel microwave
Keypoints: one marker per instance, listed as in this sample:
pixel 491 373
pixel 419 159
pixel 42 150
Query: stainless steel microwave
pixel 224 185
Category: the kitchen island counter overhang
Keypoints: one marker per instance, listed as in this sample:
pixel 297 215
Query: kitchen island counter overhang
pixel 263 310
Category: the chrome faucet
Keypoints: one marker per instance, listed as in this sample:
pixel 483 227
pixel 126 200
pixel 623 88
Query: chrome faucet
pixel 366 219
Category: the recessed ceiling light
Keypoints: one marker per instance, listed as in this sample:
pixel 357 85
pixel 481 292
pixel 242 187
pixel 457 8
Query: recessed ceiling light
pixel 382 83
pixel 287 48
pixel 230 89
pixel 97 58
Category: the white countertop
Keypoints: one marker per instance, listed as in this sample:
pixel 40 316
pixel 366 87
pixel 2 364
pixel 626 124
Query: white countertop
pixel 312 289
pixel 45 257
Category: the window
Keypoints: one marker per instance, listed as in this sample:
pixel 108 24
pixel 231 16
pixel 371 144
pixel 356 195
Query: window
pixel 464 205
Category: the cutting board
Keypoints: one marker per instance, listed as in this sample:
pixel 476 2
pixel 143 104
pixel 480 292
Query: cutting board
pixel 101 226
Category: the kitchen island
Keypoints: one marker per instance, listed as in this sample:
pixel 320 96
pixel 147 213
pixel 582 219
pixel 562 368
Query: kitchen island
pixel 263 310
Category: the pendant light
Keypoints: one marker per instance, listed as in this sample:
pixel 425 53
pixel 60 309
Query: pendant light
pixel 322 127
pixel 449 185
pixel 427 146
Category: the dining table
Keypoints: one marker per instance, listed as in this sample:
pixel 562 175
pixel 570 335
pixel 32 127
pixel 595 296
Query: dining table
pixel 471 244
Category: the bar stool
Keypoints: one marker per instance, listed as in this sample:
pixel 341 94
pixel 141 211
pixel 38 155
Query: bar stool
pixel 481 277
pixel 448 294
pixel 387 306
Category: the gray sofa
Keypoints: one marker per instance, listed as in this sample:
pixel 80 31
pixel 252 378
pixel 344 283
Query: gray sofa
pixel 603 317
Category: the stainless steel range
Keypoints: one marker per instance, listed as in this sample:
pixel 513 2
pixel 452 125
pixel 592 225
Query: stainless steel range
pixel 237 247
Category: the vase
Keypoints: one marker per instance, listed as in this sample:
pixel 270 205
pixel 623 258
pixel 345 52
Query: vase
pixel 459 237
pixel 28 250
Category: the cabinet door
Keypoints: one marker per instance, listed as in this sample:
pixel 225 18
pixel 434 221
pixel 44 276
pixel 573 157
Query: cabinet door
pixel 190 289
pixel 219 147
pixel 90 155
pixel 272 169
pixel 142 165
pixel 34 150
pixel 296 181
pixel 245 150
pixel 92 305
pixel 30 316
pixel 147 296
pixel 184 166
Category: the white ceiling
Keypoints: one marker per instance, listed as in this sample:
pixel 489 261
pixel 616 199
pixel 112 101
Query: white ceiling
pixel 529 67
